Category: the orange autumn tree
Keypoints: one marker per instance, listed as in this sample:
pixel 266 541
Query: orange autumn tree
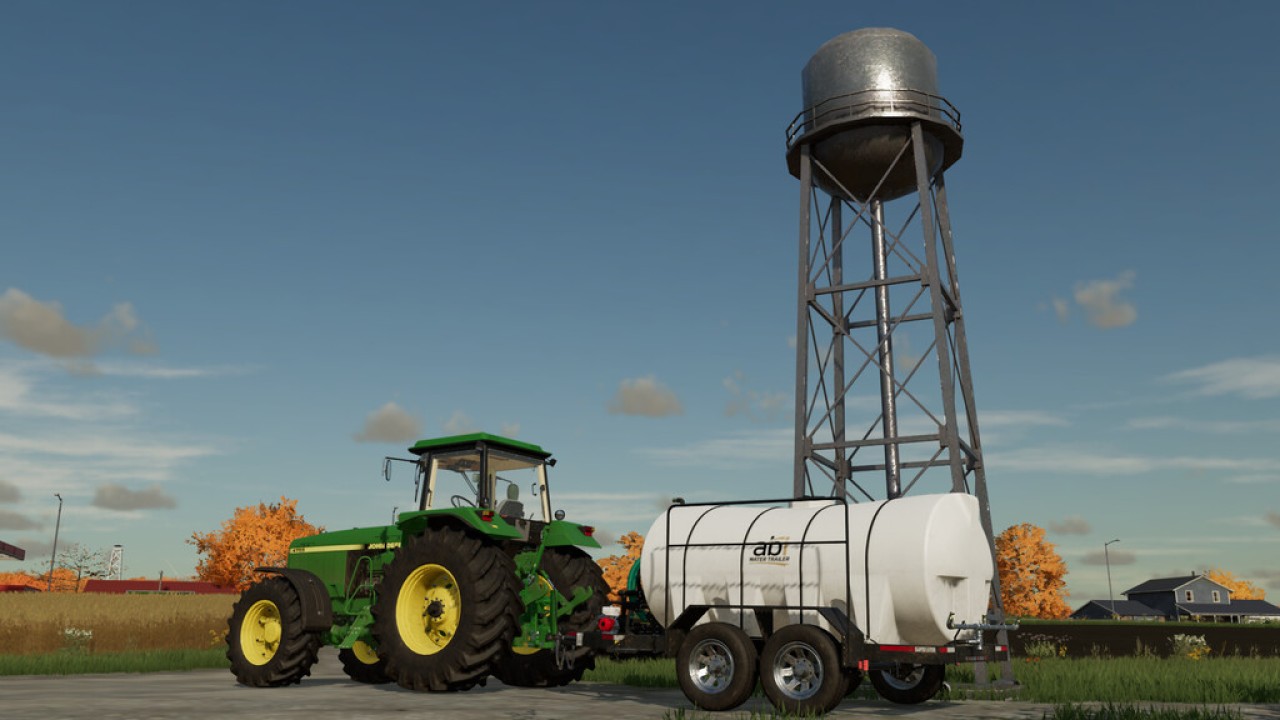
pixel 253 537
pixel 1240 589
pixel 618 567
pixel 1031 574
pixel 64 580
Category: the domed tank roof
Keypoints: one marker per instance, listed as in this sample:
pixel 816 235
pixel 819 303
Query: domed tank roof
pixel 861 92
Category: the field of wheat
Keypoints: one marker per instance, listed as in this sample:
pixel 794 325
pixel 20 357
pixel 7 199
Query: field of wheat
pixel 98 623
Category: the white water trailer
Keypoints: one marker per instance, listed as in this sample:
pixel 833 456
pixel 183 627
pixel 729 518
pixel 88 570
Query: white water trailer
pixel 818 592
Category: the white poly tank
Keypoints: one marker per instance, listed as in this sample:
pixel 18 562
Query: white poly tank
pixel 908 564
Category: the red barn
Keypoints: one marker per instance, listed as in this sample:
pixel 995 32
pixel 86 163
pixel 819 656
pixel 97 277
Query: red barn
pixel 172 587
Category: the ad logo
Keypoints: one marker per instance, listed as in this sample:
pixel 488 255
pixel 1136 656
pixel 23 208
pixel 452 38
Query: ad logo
pixel 774 552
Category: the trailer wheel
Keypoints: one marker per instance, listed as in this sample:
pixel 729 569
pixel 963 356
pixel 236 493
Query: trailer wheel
pixel 800 670
pixel 362 664
pixel 716 666
pixel 908 684
pixel 266 644
pixel 447 606
pixel 567 568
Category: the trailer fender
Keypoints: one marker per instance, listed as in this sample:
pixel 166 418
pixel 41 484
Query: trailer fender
pixel 317 612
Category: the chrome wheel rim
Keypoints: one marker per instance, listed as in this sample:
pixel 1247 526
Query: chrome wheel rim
pixel 711 666
pixel 798 671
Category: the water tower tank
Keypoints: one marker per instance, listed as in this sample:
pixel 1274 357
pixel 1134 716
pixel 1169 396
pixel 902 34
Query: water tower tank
pixel 861 91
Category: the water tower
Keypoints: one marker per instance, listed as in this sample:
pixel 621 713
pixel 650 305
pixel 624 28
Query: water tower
pixel 115 565
pixel 880 331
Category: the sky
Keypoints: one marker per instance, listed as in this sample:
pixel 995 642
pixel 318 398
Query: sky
pixel 251 248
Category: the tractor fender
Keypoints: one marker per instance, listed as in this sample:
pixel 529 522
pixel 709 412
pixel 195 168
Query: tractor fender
pixel 317 612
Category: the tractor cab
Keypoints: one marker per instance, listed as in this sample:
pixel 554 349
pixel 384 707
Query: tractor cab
pixel 485 471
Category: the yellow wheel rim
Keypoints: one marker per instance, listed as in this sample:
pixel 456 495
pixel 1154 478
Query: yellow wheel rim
pixel 364 653
pixel 260 632
pixel 529 649
pixel 428 609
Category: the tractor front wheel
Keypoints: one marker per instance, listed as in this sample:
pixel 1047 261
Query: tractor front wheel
pixel 447 607
pixel 266 644
pixel 567 569
pixel 362 664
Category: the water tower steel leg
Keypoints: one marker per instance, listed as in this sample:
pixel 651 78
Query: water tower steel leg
pixel 884 337
pixel 806 295
pixel 941 311
pixel 836 223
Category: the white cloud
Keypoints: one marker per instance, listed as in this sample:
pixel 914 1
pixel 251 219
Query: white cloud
pixel 1274 518
pixel 645 396
pixel 9 492
pixel 1061 309
pixel 1254 478
pixel 511 430
pixel 749 403
pixel 118 497
pixel 1102 304
pixel 1019 418
pixel 389 423
pixel 460 424
pixel 1070 461
pixel 42 327
pixel 17 396
pixel 1118 557
pixel 1215 427
pixel 1253 378
pixel 138 370
pixel 10 520
pixel 1073 525
pixel 739 450
pixel 102 447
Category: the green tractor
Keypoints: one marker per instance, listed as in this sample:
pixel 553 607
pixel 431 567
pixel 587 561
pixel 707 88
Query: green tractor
pixel 470 584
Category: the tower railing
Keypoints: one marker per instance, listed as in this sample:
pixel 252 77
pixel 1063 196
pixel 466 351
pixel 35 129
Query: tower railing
pixel 873 103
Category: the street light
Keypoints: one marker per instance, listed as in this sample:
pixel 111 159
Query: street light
pixel 1110 596
pixel 53 556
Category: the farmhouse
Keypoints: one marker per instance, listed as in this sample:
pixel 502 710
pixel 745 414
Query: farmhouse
pixel 1190 597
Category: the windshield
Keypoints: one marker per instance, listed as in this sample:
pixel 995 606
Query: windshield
pixel 516 482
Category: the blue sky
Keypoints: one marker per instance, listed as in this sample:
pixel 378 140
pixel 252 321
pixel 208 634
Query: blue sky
pixel 245 241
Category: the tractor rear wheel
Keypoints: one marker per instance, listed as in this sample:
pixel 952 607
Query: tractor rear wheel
pixel 362 664
pixel 568 569
pixel 447 607
pixel 266 644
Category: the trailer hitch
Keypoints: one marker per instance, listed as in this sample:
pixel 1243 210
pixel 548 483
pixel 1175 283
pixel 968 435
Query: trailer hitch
pixel 979 626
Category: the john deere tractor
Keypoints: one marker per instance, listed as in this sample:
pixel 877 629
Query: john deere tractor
pixel 474 582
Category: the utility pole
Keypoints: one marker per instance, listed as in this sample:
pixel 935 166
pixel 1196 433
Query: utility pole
pixel 54 555
pixel 1111 597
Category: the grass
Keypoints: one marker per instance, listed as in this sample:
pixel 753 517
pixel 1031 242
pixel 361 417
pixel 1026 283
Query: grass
pixel 144 661
pixel 1138 679
pixel 42 623
pixel 1135 712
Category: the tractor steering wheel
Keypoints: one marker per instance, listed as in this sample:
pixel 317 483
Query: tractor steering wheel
pixel 460 501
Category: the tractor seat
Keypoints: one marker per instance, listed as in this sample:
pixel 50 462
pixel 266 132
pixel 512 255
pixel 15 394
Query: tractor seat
pixel 511 509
